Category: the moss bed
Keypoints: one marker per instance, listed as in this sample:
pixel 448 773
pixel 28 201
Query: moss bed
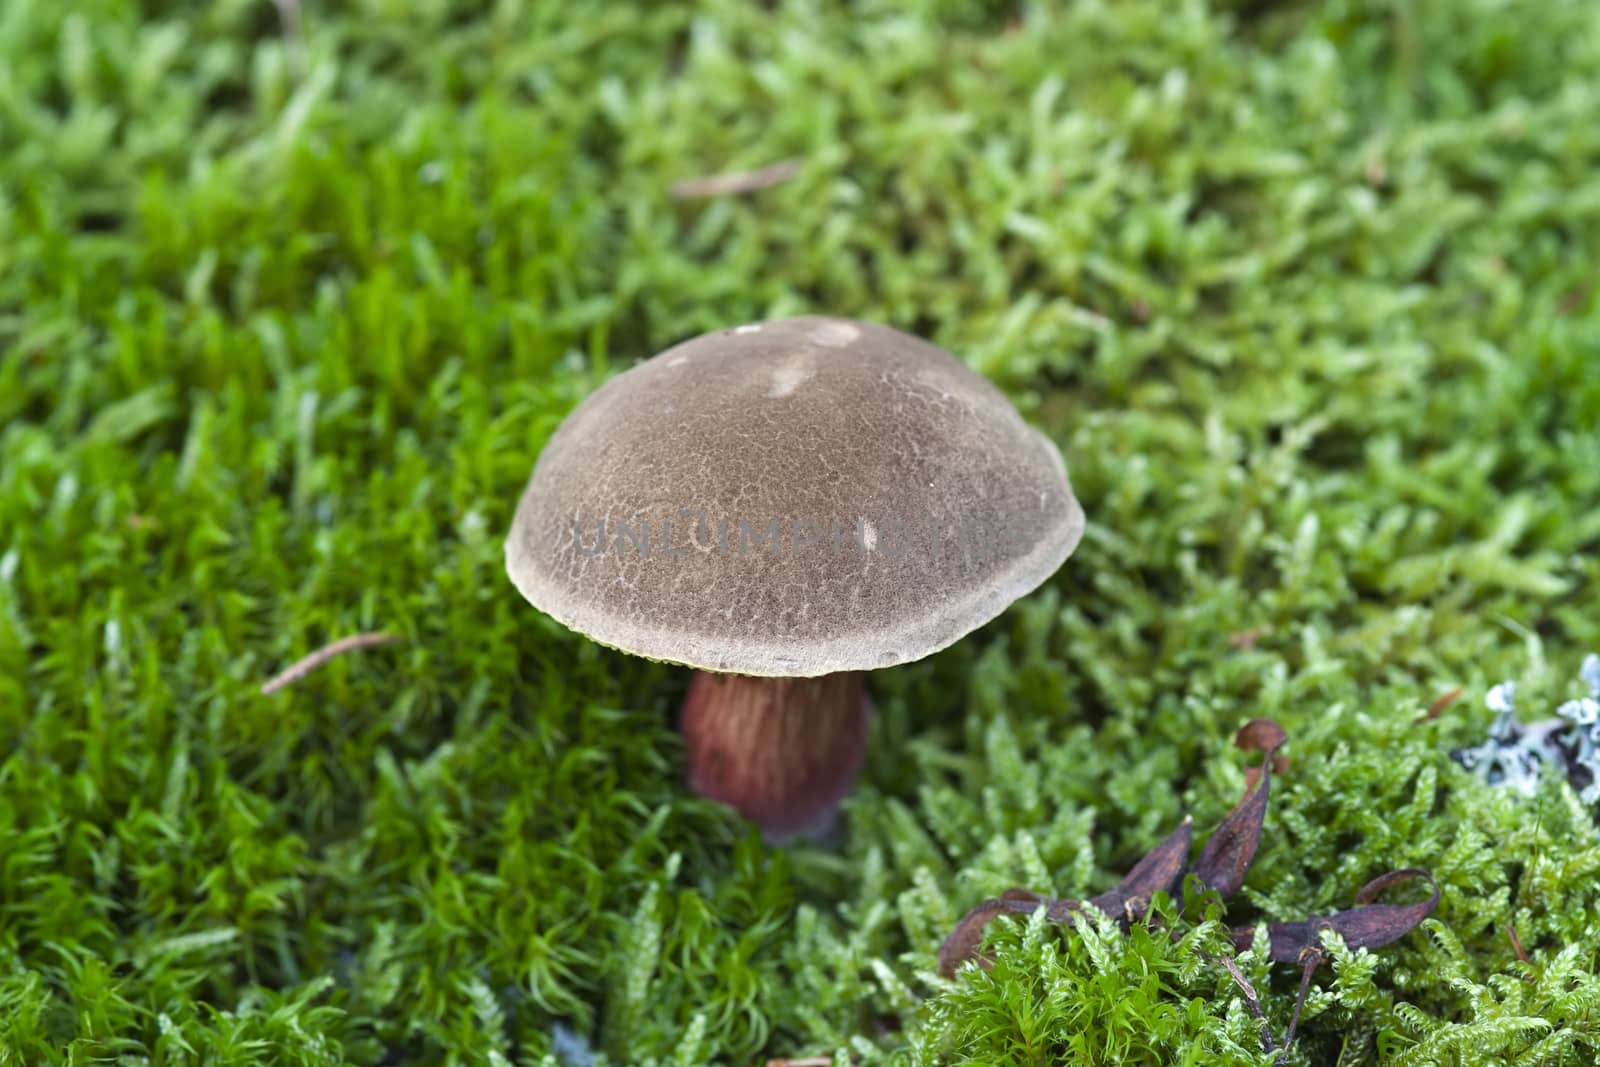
pixel 291 294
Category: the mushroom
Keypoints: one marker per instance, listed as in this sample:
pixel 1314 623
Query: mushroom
pixel 783 506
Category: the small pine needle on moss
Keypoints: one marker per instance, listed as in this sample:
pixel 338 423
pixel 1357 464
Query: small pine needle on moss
pixel 312 660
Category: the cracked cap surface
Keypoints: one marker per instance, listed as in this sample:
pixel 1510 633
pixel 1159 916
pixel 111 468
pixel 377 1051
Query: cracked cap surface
pixel 791 498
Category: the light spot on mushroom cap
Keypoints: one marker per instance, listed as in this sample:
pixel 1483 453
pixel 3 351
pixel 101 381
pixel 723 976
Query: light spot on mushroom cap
pixel 869 535
pixel 677 361
pixel 754 327
pixel 833 333
pixel 788 377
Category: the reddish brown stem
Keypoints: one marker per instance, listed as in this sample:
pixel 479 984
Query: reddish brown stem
pixel 781 751
pixel 1313 960
pixel 1522 953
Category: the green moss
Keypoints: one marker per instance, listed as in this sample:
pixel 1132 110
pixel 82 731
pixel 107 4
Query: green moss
pixel 1304 292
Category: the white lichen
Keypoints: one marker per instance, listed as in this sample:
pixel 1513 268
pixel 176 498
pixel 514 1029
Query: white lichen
pixel 1584 715
pixel 1516 756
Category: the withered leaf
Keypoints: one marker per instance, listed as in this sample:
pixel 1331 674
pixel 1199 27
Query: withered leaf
pixel 1367 925
pixel 1226 857
pixel 1026 896
pixel 1222 866
pixel 1025 902
pixel 962 944
pixel 1161 871
pixel 1260 735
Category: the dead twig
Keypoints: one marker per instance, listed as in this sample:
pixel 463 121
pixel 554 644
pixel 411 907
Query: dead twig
pixel 300 668
pixel 734 182
pixel 1313 958
pixel 1251 1001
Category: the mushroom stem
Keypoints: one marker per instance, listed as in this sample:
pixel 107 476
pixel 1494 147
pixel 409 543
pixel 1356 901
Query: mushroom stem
pixel 781 751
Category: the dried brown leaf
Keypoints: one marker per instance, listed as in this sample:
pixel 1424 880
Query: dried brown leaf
pixel 1222 866
pixel 1260 735
pixel 1226 857
pixel 963 942
pixel 1367 925
pixel 1161 871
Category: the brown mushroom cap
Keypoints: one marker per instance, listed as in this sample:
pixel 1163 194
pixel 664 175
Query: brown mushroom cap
pixel 789 499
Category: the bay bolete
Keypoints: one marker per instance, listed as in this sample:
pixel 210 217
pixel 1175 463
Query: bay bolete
pixel 783 506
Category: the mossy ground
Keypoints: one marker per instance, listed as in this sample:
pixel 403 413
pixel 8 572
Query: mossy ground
pixel 1305 292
